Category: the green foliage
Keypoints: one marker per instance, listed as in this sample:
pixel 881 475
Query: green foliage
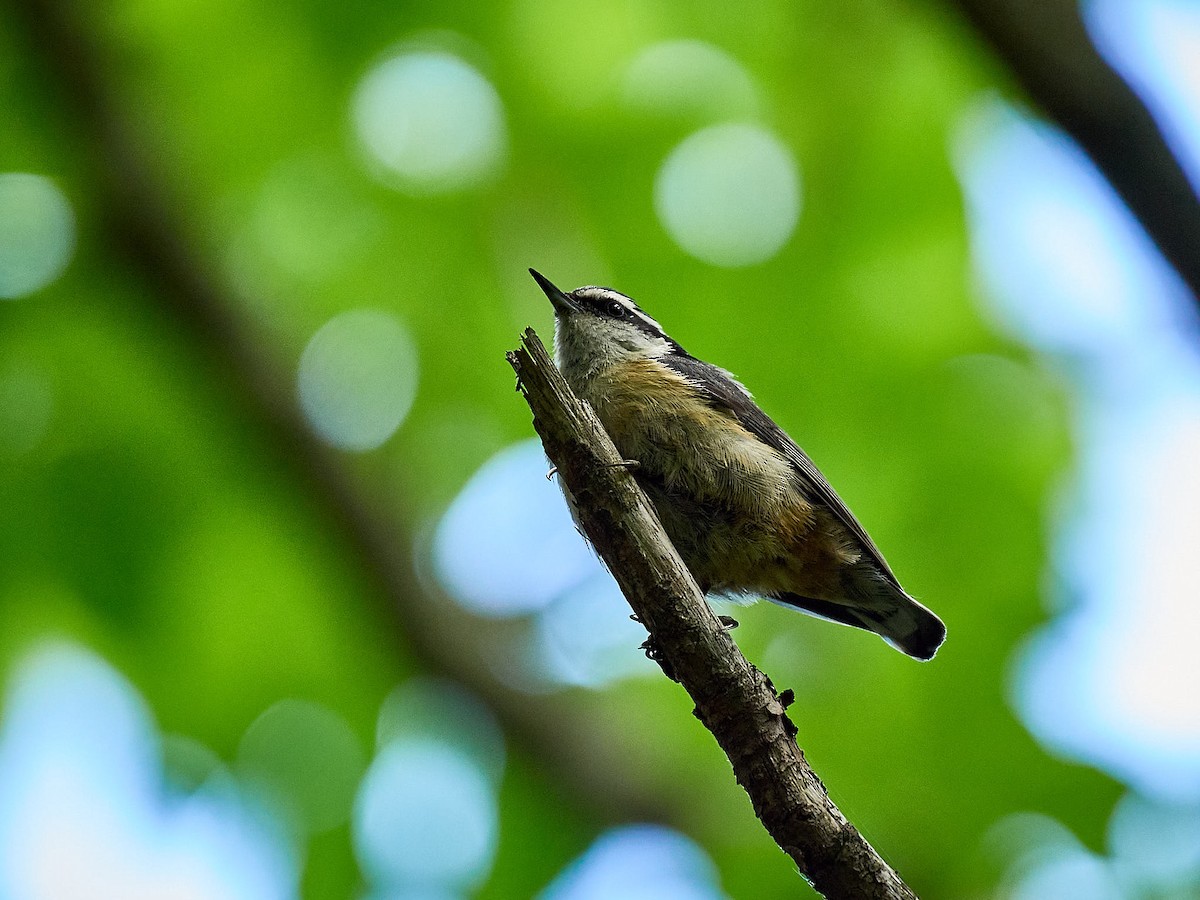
pixel 156 522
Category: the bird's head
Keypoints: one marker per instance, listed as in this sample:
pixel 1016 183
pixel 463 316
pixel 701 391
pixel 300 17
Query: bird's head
pixel 595 327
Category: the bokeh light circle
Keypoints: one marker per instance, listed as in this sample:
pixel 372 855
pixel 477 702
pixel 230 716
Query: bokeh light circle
pixel 37 233
pixel 689 78
pixel 729 195
pixel 358 378
pixel 309 759
pixel 638 862
pixel 587 639
pixel 425 817
pixel 429 122
pixel 87 811
pixel 1158 842
pixel 507 546
pixel 444 711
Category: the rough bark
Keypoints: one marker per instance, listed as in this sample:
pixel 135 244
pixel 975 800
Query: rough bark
pixel 734 700
pixel 1047 48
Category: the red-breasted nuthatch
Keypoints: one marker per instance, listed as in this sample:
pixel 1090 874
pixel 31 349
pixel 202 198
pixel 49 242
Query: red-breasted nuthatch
pixel 745 507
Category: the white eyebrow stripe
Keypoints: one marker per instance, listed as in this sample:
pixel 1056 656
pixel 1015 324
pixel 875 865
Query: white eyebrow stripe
pixel 602 293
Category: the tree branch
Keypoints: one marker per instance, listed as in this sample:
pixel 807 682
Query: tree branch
pixel 734 700
pixel 1047 48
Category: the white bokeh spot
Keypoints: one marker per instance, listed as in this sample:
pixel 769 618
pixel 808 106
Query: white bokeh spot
pixel 1112 679
pixel 426 819
pixel 638 862
pixel 507 546
pixel 429 123
pixel 37 233
pixel 358 378
pixel 729 195
pixel 83 811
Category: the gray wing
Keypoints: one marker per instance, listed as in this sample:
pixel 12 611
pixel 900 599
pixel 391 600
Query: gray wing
pixel 723 392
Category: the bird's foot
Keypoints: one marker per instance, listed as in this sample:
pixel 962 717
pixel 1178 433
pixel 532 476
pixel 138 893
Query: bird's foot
pixel 654 652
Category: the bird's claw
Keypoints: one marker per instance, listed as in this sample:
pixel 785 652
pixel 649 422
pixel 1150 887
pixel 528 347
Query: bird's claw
pixel 652 651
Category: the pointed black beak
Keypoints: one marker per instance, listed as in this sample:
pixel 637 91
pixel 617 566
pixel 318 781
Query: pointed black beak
pixel 562 302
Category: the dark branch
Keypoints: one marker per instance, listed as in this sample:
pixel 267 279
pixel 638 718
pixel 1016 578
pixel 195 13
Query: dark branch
pixel 1047 48
pixel 734 700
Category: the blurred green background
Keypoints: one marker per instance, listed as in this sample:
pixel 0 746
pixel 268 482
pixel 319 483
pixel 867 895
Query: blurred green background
pixel 229 584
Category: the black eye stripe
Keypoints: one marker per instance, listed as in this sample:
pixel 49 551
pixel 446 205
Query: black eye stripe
pixel 602 304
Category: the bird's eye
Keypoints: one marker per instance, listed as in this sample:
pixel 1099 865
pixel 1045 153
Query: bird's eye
pixel 616 310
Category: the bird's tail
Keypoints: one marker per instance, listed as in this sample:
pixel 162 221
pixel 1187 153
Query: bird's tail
pixel 900 620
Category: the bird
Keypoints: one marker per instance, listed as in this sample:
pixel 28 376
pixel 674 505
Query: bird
pixel 747 510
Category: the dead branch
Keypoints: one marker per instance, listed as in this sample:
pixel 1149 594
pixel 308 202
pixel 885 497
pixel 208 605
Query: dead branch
pixel 734 700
